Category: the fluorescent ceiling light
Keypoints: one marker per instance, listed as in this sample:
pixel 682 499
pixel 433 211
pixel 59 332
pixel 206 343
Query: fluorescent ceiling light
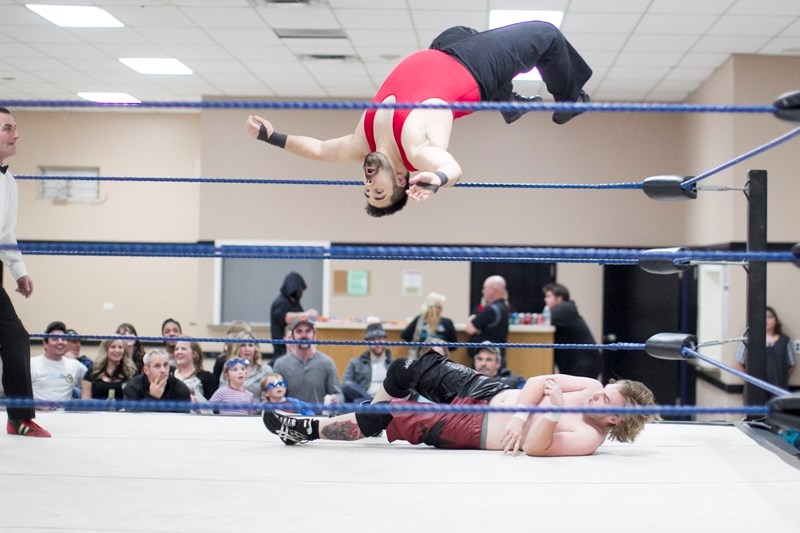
pixel 76 16
pixel 156 65
pixel 110 98
pixel 504 17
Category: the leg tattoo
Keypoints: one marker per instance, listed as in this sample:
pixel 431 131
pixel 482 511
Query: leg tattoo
pixel 345 430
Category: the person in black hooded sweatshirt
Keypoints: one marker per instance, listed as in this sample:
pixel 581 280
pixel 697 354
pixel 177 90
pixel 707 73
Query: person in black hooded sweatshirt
pixel 287 308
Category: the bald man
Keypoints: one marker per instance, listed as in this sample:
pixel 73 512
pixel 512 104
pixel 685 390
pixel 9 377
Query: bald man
pixel 491 322
pixel 461 65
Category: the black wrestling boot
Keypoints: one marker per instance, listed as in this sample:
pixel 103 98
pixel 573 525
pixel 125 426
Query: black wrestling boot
pixel 514 114
pixel 562 117
pixel 291 430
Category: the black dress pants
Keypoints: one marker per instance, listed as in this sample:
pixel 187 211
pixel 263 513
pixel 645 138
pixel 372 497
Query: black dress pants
pixel 15 351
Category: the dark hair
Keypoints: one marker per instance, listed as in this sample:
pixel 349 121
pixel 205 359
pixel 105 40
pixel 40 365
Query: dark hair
pixel 4 110
pixel 399 200
pixel 57 325
pixel 137 354
pixel 778 325
pixel 167 321
pixel 558 290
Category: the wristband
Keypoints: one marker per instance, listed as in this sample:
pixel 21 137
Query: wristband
pixel 442 177
pixel 522 415
pixel 552 416
pixel 276 139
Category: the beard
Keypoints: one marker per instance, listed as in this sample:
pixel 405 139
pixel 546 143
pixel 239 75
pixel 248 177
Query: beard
pixel 379 161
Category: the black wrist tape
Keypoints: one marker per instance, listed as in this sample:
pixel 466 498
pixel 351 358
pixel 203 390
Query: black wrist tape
pixel 276 139
pixel 443 177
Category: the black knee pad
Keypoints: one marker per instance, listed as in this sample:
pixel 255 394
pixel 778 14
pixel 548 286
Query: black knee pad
pixel 371 424
pixel 396 381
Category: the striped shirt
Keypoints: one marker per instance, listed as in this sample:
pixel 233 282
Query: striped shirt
pixel 229 395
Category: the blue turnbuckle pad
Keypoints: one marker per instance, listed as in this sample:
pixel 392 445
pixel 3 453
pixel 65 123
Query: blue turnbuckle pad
pixel 788 107
pixel 668 188
pixel 796 253
pixel 669 345
pixel 658 265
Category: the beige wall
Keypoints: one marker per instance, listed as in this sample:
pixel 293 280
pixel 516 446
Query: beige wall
pixel 595 148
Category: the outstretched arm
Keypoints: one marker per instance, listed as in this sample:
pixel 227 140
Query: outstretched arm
pixel 342 149
pixel 440 170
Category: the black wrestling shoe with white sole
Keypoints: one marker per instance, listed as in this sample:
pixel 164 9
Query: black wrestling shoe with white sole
pixel 291 430
pixel 562 117
pixel 514 114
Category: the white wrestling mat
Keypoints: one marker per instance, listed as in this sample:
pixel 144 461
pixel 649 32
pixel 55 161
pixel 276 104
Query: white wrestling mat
pixel 129 472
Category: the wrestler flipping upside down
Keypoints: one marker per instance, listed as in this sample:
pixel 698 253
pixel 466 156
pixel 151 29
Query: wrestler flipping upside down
pixel 461 65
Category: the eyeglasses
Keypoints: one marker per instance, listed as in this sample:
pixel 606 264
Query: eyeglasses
pixel 274 384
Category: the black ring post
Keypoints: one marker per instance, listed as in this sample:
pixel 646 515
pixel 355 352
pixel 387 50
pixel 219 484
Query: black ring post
pixel 756 287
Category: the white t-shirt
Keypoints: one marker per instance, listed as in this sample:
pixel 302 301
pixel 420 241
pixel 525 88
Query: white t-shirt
pixel 54 380
pixel 378 375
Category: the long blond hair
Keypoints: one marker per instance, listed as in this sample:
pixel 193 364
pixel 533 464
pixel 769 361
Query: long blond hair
pixel 124 371
pixel 636 394
pixel 257 362
pixel 432 310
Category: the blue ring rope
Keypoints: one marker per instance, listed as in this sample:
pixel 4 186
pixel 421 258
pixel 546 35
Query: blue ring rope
pixel 761 149
pixel 159 405
pixel 459 106
pixel 442 253
pixel 280 181
pixel 769 387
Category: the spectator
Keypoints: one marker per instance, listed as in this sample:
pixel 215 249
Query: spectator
pixel 430 324
pixel 779 353
pixel 364 375
pixel 134 346
pixel 570 329
pixel 53 376
pixel 256 368
pixel 287 308
pixel 156 383
pixel 74 352
pixel 171 328
pixel 229 348
pixel 487 361
pixel 234 391
pixel 273 388
pixel 189 369
pixel 112 370
pixel 491 323
pixel 310 375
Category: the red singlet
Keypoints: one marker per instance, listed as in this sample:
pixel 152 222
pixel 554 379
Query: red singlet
pixel 422 75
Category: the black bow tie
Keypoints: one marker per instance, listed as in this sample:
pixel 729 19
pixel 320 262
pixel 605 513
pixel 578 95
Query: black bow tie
pixel 3 169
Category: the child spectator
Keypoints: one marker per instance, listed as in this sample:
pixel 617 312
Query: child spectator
pixel 234 373
pixel 273 390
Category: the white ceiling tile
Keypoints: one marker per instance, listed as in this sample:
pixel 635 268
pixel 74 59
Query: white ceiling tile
pixel 667 96
pixel 318 67
pixel 637 73
pixel 278 80
pixel 300 91
pixel 251 36
pixel 360 92
pixel 691 74
pixel 645 59
pixel 765 7
pixel 364 4
pixel 598 42
pixel 318 18
pixel 732 45
pixel 220 78
pixel 698 60
pixel 748 25
pixel 71 50
pixel 452 5
pixel 143 16
pixel 186 53
pixel 224 17
pixel 660 43
pixel 438 21
pixel 332 80
pixel 781 46
pixel 218 67
pixel 675 24
pixel 39 34
pixel 397 19
pixel 620 95
pixel 598 23
pixel 538 5
pixel 132 50
pixel 320 46
pixel 261 53
pixel 286 68
pixel 609 6
pixel 687 7
pixel 176 35
pixel 380 38
pixel 38 64
pixel 107 35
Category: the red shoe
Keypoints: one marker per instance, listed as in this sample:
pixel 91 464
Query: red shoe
pixel 26 428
